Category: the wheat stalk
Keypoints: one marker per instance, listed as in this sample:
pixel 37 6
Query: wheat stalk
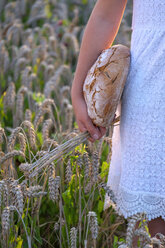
pixel 57 153
pixel 25 52
pixel 19 66
pixel 68 172
pixel 2 133
pixel 95 166
pixel 6 221
pixel 20 103
pixel 12 138
pixel 92 223
pixel 47 125
pixel 49 143
pixel 9 98
pixel 11 155
pixel 87 166
pixel 25 76
pixel 45 107
pixel 73 237
pixel 22 141
pixel 31 133
pixel 28 115
pixel 52 183
pixel 69 117
pixel 1 191
pixel 49 72
pixel 18 197
pixel 131 227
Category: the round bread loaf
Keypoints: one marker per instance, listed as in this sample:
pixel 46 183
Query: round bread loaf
pixel 104 84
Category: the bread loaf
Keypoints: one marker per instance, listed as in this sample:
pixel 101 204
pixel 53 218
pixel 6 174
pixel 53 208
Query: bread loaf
pixel 105 82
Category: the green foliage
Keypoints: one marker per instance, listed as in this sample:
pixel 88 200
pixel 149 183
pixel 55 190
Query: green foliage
pixel 84 1
pixel 19 241
pixel 48 11
pixel 116 241
pixel 38 97
pixel 104 170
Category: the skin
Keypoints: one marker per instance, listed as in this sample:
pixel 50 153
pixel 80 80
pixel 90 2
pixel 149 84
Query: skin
pixel 99 34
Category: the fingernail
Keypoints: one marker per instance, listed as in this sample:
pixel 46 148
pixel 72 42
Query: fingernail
pixel 95 136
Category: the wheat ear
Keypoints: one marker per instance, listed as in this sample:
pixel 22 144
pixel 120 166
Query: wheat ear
pixel 11 155
pixel 31 133
pixel 68 171
pixel 131 228
pixel 2 133
pixel 28 115
pixel 73 237
pixel 12 138
pixel 47 125
pixel 6 221
pixel 22 141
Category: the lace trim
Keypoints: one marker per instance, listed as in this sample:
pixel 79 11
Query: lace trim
pixel 130 203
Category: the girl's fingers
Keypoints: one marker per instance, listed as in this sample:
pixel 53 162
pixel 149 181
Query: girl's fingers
pixel 83 128
pixel 102 130
pixel 93 130
pixel 91 140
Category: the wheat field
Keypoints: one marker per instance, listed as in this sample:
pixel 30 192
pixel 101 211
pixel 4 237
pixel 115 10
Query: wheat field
pixel 52 179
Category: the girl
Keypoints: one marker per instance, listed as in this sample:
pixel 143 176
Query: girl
pixel 137 169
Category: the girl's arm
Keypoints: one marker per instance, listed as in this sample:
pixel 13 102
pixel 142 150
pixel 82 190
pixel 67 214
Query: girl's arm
pixel 99 34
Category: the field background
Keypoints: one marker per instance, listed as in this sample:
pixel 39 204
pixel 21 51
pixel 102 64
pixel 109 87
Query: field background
pixel 60 204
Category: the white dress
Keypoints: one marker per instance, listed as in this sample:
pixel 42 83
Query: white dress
pixel 137 168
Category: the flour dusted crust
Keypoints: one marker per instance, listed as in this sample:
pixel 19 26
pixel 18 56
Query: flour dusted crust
pixel 105 82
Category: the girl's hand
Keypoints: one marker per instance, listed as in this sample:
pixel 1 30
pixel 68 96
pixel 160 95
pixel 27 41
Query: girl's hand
pixel 83 120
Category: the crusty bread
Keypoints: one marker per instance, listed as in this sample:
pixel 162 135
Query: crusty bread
pixel 105 82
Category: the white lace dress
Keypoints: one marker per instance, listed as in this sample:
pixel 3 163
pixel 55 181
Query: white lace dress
pixel 137 168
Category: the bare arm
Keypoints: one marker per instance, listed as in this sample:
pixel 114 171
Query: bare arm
pixel 99 34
